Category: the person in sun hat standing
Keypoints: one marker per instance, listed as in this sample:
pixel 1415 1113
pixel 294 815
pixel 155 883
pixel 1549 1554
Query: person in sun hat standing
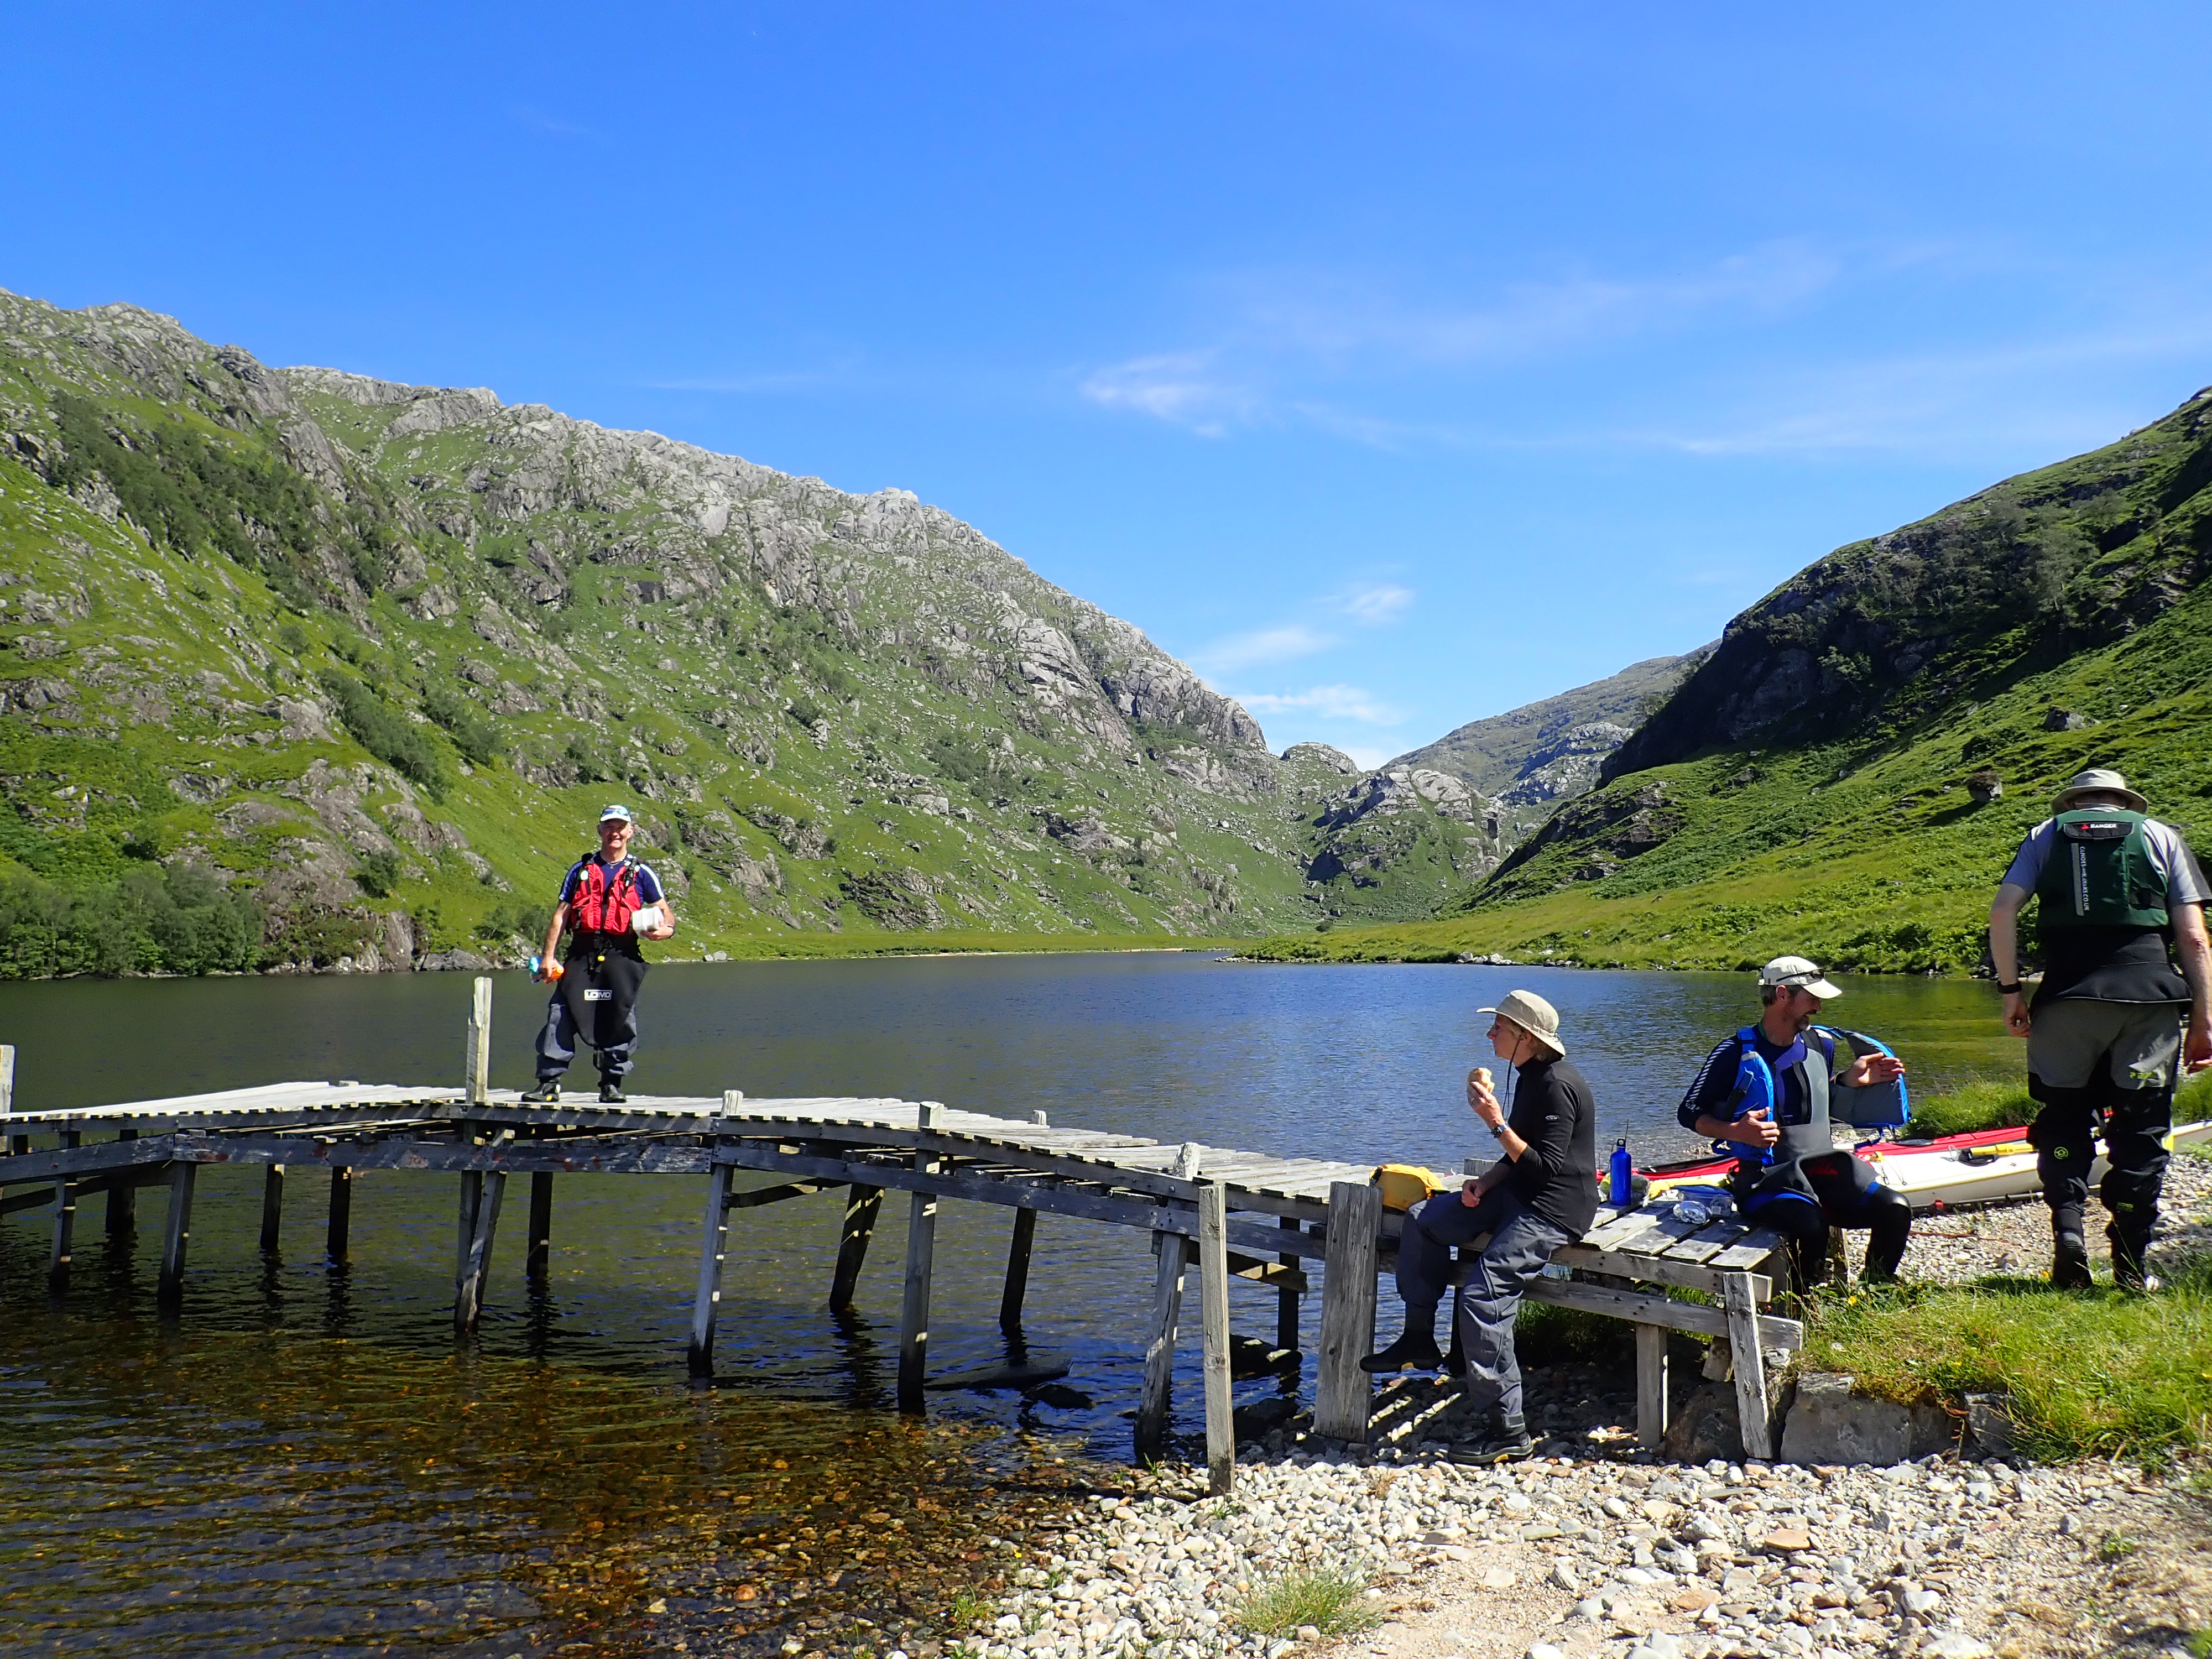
pixel 1540 1193
pixel 612 900
pixel 2118 899
pixel 1766 1088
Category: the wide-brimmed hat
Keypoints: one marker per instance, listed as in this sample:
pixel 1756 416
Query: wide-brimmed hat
pixel 2097 781
pixel 1533 1015
pixel 1799 974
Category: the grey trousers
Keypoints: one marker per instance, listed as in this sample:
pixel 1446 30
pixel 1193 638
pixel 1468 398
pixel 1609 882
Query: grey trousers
pixel 1521 1242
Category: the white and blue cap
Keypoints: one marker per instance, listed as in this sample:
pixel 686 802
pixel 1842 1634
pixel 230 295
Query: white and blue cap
pixel 618 813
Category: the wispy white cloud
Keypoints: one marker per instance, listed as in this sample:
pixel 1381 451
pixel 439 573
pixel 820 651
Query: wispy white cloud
pixel 1382 602
pixel 1261 646
pixel 1339 702
pixel 1179 387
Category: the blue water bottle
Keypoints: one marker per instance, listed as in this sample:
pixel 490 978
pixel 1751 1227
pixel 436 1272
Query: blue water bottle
pixel 1622 1168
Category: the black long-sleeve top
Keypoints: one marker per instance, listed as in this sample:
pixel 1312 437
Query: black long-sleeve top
pixel 1556 1176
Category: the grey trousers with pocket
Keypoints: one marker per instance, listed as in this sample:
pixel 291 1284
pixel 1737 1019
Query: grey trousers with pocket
pixel 1521 1242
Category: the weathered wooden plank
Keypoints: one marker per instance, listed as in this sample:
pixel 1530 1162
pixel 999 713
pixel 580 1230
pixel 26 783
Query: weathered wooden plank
pixel 468 1291
pixel 1605 1233
pixel 1747 1340
pixel 1648 1309
pixel 39 1197
pixel 1213 1322
pixel 1704 1244
pixel 713 1245
pixel 1756 1247
pixel 1154 1391
pixel 1020 1245
pixel 1341 1394
pixel 1654 1269
pixel 1650 1385
pixel 863 1204
pixel 475 1075
pixel 759 1196
pixel 913 1306
pixel 272 1207
pixel 177 1232
pixel 537 1241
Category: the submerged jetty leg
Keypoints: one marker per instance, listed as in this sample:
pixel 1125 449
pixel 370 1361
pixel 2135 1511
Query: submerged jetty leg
pixel 1159 1354
pixel 272 1207
pixel 465 1229
pixel 862 1206
pixel 123 1202
pixel 58 1261
pixel 1342 1400
pixel 1651 1384
pixel 700 1357
pixel 1019 1248
pixel 177 1233
pixel 1213 1320
pixel 468 1291
pixel 920 1257
pixel 538 1256
pixel 1286 1298
pixel 1750 1364
pixel 339 1240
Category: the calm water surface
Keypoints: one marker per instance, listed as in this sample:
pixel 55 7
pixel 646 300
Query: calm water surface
pixel 306 1463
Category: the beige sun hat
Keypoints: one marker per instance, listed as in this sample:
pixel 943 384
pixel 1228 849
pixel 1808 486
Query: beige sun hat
pixel 1800 974
pixel 1533 1015
pixel 2097 781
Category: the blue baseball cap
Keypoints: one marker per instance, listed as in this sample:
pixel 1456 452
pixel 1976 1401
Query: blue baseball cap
pixel 617 811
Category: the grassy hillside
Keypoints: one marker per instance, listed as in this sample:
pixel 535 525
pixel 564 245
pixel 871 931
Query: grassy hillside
pixel 300 669
pixel 1794 795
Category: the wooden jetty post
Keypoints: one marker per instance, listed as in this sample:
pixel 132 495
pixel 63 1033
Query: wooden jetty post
pixel 714 1239
pixel 862 1206
pixel 272 1207
pixel 16 1144
pixel 476 1084
pixel 538 1252
pixel 1650 1385
pixel 1214 1318
pixel 1019 1246
pixel 123 1202
pixel 1155 1390
pixel 920 1257
pixel 483 1225
pixel 1287 1339
pixel 337 1238
pixel 1750 1364
pixel 1342 1399
pixel 57 1260
pixel 177 1232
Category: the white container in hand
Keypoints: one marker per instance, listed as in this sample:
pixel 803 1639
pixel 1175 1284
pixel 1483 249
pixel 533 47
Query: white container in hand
pixel 646 918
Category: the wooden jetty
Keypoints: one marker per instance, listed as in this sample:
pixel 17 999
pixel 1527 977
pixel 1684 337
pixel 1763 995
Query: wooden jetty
pixel 1231 1213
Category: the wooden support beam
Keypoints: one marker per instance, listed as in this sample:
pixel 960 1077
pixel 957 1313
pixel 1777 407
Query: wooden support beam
pixel 1153 1394
pixel 123 1202
pixel 863 1205
pixel 272 1208
pixel 1750 1366
pixel 537 1252
pixel 1019 1249
pixel 1286 1298
pixel 1213 1322
pixel 177 1232
pixel 760 1195
pixel 58 1260
pixel 476 1080
pixel 39 1197
pixel 1650 1385
pixel 468 1288
pixel 913 1308
pixel 713 1237
pixel 466 1221
pixel 1641 1307
pixel 338 1238
pixel 1342 1399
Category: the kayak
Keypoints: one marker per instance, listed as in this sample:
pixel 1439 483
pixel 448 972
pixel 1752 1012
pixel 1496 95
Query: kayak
pixel 1977 1166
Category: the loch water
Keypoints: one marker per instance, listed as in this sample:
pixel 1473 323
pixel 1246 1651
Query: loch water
pixel 303 1461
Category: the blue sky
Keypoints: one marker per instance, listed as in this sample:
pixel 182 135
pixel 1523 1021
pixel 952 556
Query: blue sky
pixel 1393 364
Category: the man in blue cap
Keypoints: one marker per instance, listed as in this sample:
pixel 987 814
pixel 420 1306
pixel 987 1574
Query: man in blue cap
pixel 612 901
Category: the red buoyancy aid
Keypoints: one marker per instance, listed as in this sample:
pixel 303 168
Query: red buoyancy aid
pixel 604 902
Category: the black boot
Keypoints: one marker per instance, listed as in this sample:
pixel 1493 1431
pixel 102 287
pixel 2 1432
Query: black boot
pixel 2128 1271
pixel 547 1093
pixel 610 1089
pixel 1416 1348
pixel 1508 1442
pixel 2069 1260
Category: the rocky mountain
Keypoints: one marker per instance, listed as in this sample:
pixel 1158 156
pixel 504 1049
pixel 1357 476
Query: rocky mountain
pixel 1528 759
pixel 1848 772
pixel 299 667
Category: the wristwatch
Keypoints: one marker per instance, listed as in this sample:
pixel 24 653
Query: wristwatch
pixel 1497 1129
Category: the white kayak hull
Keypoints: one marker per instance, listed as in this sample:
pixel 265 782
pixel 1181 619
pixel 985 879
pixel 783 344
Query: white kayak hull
pixel 1946 1179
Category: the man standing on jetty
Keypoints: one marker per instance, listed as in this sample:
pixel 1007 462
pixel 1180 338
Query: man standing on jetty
pixel 613 900
pixel 1540 1194
pixel 1766 1088
pixel 2118 897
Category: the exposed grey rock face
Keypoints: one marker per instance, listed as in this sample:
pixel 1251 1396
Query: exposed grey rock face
pixel 1829 1423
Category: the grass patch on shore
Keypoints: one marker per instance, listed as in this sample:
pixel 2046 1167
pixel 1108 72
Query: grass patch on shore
pixel 1332 1601
pixel 2090 1373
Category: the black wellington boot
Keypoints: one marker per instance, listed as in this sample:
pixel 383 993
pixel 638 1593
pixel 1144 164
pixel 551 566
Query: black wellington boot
pixel 610 1091
pixel 547 1093
pixel 2069 1261
pixel 2128 1271
pixel 1415 1348
pixel 1508 1442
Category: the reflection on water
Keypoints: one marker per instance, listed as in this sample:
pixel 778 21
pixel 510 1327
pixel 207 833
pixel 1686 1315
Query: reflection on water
pixel 304 1462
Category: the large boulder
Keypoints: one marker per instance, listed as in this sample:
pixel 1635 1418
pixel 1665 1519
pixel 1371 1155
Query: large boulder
pixel 1830 1422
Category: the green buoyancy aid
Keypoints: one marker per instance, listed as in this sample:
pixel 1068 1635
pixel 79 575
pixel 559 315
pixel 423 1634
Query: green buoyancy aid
pixel 2100 873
